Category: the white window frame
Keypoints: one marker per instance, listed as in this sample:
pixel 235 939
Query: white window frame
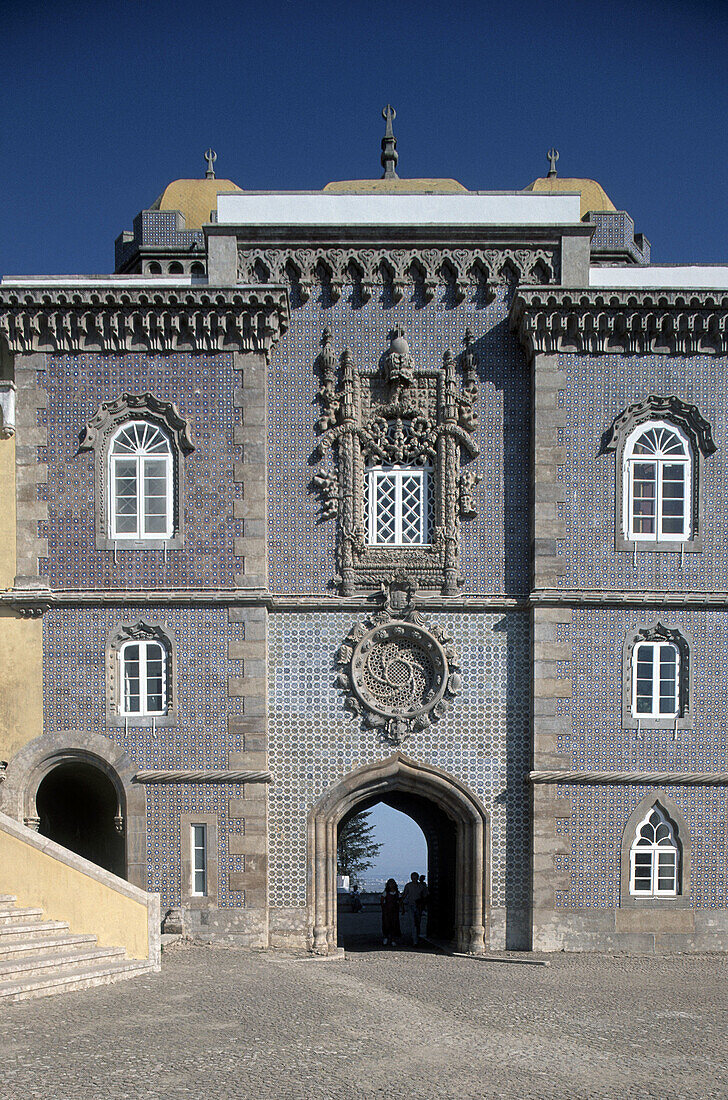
pixel 654 850
pixel 140 459
pixel 373 475
pixel 659 462
pixel 657 647
pixel 198 866
pixel 144 711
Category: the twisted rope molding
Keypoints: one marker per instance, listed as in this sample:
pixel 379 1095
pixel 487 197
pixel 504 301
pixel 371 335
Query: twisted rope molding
pixel 637 779
pixel 202 777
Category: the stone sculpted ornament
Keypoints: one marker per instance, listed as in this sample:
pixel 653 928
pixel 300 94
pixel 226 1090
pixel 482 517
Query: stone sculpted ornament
pixel 399 673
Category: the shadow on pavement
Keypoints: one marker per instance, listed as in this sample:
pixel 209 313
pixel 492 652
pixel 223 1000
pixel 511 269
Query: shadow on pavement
pixel 362 932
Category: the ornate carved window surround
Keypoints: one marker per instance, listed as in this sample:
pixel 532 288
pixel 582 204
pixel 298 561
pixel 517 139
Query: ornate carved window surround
pixel 140 630
pixel 395 414
pixel 698 432
pixel 657 632
pixel 97 436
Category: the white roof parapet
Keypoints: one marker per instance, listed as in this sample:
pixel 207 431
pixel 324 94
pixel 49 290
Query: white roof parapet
pixel 475 208
pixel 664 276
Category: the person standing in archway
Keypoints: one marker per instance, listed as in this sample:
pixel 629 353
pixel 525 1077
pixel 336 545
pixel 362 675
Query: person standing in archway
pixel 413 897
pixel 390 902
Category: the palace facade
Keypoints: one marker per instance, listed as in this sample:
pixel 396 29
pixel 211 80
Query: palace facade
pixel 389 492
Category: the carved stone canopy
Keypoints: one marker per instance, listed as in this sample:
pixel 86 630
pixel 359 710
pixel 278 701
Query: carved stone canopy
pixel 128 407
pixel 398 673
pixel 672 409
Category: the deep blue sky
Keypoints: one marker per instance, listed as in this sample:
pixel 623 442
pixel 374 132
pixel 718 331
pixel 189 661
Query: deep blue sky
pixel 106 102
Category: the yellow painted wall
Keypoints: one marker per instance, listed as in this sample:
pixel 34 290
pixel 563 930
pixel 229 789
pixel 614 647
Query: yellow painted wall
pixel 21 640
pixel 65 893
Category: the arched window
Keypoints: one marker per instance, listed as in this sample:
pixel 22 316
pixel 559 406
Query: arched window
pixel 398 505
pixel 657 483
pixel 140 483
pixel 143 677
pixel 656 679
pixel 654 858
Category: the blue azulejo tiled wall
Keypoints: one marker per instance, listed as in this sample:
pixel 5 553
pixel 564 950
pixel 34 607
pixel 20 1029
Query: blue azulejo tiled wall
pixel 202 387
pixel 483 740
pixel 494 546
pixel 598 742
pixel 598 389
pixel 74 687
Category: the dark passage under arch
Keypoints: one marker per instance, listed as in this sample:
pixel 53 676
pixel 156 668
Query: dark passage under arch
pixel 78 806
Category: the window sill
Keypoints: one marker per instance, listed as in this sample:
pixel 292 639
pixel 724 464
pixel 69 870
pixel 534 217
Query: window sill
pixel 142 721
pixel 633 902
pixel 174 543
pixel 672 546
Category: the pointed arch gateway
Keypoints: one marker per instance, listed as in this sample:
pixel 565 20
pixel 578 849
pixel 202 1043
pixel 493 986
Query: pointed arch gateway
pixel 456 821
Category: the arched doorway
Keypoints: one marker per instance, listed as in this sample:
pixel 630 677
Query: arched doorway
pixel 78 806
pixel 455 825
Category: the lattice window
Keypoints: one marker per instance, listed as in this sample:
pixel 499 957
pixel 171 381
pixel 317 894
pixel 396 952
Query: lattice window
pixel 140 483
pixel 398 505
pixel 654 858
pixel 657 483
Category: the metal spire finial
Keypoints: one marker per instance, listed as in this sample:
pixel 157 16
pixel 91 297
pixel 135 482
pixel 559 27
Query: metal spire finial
pixel 389 146
pixel 210 157
pixel 553 155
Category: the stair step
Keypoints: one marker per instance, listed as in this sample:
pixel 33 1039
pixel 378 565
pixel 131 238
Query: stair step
pixel 80 977
pixel 10 915
pixel 9 931
pixel 43 945
pixel 7 899
pixel 57 964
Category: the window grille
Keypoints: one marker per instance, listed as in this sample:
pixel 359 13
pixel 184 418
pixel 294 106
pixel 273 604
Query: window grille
pixel 654 858
pixel 657 484
pixel 398 505
pixel 140 483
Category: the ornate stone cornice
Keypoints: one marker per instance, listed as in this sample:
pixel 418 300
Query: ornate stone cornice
pixel 396 268
pixel 202 776
pixel 597 322
pixel 144 405
pixel 118 320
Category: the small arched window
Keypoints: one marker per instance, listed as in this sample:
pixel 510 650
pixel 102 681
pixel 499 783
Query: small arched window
pixel 143 675
pixel 655 680
pixel 657 484
pixel 398 505
pixel 140 483
pixel 654 858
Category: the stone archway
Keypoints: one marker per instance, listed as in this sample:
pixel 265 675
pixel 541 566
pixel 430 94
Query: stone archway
pixel 401 776
pixel 38 759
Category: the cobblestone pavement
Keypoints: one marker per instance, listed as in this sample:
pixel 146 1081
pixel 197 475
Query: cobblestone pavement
pixel 222 1023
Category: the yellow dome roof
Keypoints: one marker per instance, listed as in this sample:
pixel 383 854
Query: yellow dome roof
pixel 593 195
pixel 193 198
pixel 394 187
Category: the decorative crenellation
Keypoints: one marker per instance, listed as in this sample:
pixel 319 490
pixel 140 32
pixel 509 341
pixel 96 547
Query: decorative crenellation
pixel 396 269
pixel 625 321
pixel 398 673
pixel 397 414
pixel 117 321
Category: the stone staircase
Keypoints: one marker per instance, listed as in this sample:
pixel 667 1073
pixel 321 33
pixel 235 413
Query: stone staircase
pixel 40 957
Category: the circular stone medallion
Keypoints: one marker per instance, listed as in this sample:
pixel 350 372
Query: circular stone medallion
pixel 398 669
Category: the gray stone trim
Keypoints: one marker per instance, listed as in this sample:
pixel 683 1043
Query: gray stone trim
pixel 188 899
pixel 98 874
pixel 399 269
pixel 191 775
pixel 251 472
pixel 237 599
pixel 684 844
pixel 621 321
pixel 656 631
pixel 548 382
pixel 29 767
pixel 636 931
pixel 569 597
pixel 145 630
pixel 155 320
pixel 30 471
pixel 628 779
